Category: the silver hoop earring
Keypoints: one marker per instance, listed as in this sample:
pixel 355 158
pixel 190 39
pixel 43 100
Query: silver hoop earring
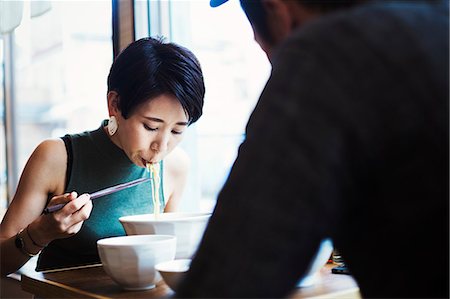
pixel 112 125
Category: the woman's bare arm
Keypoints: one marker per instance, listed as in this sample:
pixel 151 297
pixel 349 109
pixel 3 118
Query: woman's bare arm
pixel 43 175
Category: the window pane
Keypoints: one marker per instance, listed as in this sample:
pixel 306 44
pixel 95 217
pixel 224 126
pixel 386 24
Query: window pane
pixel 61 62
pixel 3 198
pixel 235 71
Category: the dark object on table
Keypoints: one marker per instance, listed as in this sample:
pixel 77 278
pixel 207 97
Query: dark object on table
pixel 340 270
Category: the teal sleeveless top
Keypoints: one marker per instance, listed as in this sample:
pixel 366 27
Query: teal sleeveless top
pixel 94 163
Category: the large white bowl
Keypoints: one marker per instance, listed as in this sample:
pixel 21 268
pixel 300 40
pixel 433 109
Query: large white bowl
pixel 130 260
pixel 187 227
pixel 320 259
pixel 173 271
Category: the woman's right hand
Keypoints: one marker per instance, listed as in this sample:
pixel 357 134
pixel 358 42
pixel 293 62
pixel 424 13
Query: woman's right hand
pixel 65 222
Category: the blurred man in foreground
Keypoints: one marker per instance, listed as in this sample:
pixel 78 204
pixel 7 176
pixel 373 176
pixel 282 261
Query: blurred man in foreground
pixel 349 140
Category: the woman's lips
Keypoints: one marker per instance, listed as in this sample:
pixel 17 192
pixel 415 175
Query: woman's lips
pixel 145 162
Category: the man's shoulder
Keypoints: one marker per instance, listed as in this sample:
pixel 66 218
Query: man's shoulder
pixel 390 28
pixel 373 16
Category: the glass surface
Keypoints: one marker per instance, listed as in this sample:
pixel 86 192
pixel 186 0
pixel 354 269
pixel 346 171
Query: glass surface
pixel 61 63
pixel 3 198
pixel 235 71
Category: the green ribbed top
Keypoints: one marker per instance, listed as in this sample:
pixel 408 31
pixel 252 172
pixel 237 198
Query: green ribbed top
pixel 97 164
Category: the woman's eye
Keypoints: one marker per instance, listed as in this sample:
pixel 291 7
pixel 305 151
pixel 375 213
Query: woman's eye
pixel 177 132
pixel 148 128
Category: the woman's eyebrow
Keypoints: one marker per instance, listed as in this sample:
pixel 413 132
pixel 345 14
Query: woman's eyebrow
pixel 180 123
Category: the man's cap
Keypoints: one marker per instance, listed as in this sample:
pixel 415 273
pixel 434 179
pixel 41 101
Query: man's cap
pixel 215 3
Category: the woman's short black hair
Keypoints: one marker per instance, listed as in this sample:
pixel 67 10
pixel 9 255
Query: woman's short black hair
pixel 148 68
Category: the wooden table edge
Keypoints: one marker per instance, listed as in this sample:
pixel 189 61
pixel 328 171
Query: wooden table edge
pixel 50 289
pixel 37 284
pixel 349 293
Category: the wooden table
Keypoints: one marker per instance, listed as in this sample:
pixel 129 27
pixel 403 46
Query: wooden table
pixel 93 282
pixel 332 286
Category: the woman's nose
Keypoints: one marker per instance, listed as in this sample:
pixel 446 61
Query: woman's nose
pixel 154 147
pixel 159 145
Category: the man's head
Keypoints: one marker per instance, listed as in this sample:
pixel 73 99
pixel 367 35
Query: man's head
pixel 274 20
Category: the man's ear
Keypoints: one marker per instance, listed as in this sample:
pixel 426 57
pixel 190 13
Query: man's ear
pixel 279 18
pixel 286 16
pixel 113 103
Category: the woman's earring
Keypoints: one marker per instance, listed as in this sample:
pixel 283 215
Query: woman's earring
pixel 112 125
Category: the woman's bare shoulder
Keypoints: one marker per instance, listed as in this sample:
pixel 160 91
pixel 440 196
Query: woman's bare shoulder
pixel 49 161
pixel 50 147
pixel 176 166
pixel 177 163
pixel 52 153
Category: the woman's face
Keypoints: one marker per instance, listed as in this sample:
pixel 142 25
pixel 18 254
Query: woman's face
pixel 152 131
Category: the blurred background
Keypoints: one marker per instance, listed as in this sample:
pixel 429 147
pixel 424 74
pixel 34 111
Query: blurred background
pixel 55 57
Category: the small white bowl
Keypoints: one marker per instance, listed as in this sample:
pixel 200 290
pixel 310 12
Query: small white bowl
pixel 130 260
pixel 173 271
pixel 187 227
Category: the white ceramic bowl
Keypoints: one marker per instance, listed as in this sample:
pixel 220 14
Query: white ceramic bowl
pixel 130 260
pixel 187 227
pixel 173 271
pixel 320 259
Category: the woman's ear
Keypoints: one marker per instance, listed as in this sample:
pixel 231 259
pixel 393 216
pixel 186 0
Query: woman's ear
pixel 113 103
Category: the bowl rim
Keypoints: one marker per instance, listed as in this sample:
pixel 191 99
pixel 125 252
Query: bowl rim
pixel 106 242
pixel 188 216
